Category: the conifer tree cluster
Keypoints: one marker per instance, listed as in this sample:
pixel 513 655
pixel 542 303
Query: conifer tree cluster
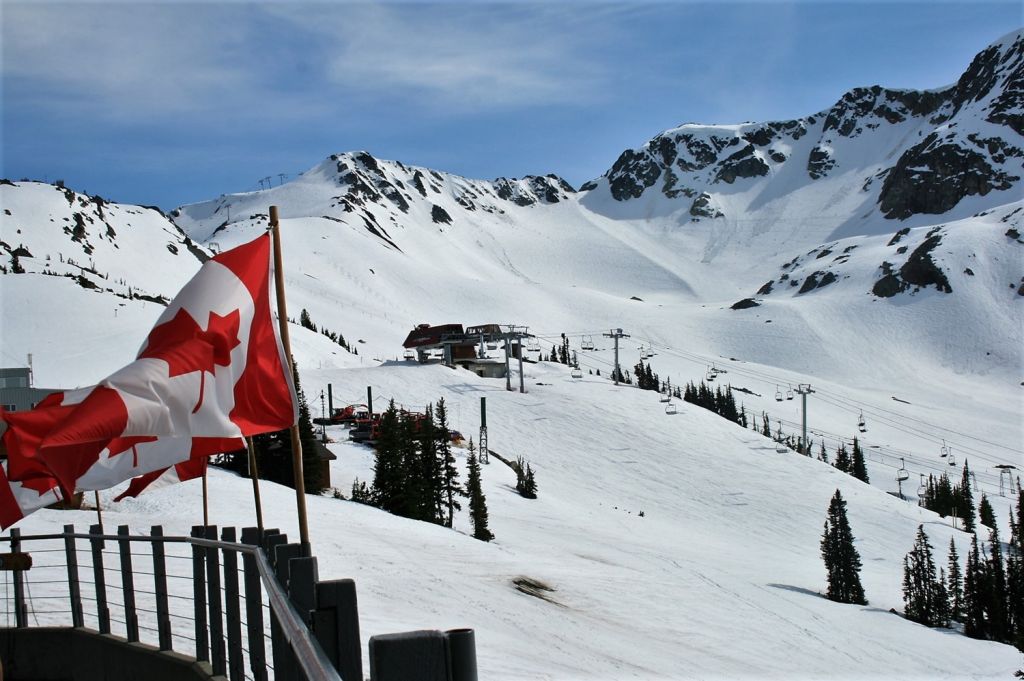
pixel 852 462
pixel 948 499
pixel 718 400
pixel 307 322
pixel 925 598
pixel 561 353
pixel 526 484
pixel 646 379
pixel 986 595
pixel 842 562
pixel 415 474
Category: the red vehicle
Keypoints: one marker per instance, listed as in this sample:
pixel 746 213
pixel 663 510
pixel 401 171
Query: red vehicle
pixel 341 415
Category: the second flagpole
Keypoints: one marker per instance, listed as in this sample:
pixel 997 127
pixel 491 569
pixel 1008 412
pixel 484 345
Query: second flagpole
pixel 282 313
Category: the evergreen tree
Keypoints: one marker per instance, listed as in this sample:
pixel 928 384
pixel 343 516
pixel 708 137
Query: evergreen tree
pixel 450 488
pixel 530 488
pixel 412 489
pixel 477 500
pixel 1015 573
pixel 305 320
pixel 924 596
pixel 975 588
pixel 996 605
pixel 387 471
pixel 427 479
pixel 859 469
pixel 766 429
pixel 822 453
pixel 842 562
pixel 965 502
pixel 985 512
pixel 954 584
pixel 843 461
pixel 312 471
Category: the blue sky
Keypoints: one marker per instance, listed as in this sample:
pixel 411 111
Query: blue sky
pixel 170 103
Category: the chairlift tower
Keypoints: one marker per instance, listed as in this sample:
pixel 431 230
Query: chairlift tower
pixel 616 334
pixel 484 458
pixel 804 389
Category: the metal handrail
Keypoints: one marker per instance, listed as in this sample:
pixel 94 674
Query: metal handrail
pixel 310 656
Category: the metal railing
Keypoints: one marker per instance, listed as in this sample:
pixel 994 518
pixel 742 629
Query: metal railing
pixel 218 600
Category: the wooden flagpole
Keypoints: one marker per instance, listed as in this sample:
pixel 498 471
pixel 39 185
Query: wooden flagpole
pixel 255 475
pixel 206 500
pixel 282 313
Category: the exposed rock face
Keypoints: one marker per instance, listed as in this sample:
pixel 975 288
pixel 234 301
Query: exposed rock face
pixel 702 207
pixel 933 176
pixel 744 163
pixel 947 148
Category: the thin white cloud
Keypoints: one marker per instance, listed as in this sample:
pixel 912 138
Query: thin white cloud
pixel 456 56
pixel 123 58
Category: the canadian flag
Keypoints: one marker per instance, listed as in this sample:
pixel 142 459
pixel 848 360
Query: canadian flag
pixel 211 371
pixel 179 472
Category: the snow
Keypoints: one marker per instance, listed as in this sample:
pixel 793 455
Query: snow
pixel 721 578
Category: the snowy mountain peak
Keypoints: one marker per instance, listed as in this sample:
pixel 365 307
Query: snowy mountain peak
pixel 956 142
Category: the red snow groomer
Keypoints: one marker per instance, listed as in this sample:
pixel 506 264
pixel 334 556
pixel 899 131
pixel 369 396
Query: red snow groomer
pixel 344 415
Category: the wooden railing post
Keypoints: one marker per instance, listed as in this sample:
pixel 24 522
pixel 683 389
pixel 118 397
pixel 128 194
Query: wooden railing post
pixel 336 626
pixel 199 596
pixel 131 618
pixel 163 617
pixel 218 659
pixel 20 608
pixel 74 588
pixel 99 578
pixel 254 607
pixel 236 665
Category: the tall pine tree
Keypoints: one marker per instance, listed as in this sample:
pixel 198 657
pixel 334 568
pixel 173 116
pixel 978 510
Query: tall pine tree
pixel 1015 572
pixel 965 502
pixel 955 584
pixel 477 500
pixel 842 562
pixel 924 596
pixel 450 488
pixel 975 589
pixel 859 469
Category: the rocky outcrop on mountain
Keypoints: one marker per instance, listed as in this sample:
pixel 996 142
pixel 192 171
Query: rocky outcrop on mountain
pixel 967 143
pixel 934 176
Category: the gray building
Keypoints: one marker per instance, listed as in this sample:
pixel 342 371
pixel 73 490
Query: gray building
pixel 16 391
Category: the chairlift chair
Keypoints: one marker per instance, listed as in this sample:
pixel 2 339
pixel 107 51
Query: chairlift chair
pixel 666 397
pixel 944 452
pixel 789 393
pixel 778 394
pixel 952 459
pixel 861 425
pixel 921 488
pixel 781 447
pixel 670 408
pixel 710 375
pixel 409 355
pixel 902 473
pixel 587 343
pixel 577 373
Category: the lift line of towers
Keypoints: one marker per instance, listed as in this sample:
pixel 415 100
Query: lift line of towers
pixel 514 337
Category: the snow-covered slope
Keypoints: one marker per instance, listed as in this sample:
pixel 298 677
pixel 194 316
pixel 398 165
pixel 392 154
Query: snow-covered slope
pixel 720 577
pixel 912 320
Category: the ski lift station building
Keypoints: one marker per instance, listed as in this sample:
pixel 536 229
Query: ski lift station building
pixel 454 345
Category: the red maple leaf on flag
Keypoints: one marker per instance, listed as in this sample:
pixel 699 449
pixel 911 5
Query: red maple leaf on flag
pixel 186 347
